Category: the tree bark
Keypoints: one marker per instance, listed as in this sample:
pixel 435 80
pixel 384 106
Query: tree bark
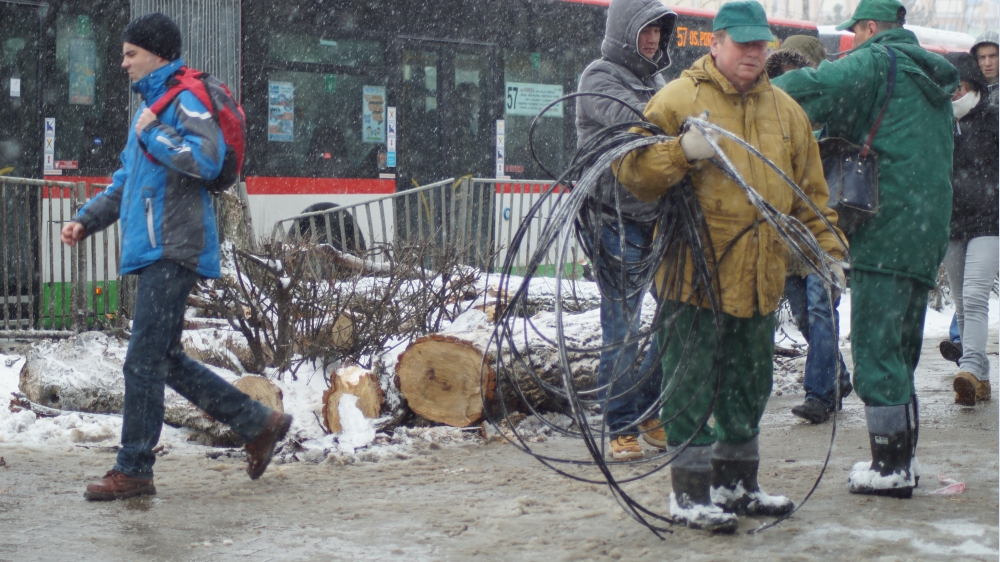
pixel 262 390
pixel 444 377
pixel 351 380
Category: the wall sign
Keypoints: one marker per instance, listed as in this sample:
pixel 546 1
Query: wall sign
pixel 390 137
pixel 49 149
pixel 82 65
pixel 281 114
pixel 500 174
pixel 529 99
pixel 373 114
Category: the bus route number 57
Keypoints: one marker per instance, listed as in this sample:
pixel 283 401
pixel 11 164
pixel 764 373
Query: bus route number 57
pixel 512 98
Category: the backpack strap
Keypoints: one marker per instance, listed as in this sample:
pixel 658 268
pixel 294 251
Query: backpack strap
pixel 185 79
pixel 175 88
pixel 881 113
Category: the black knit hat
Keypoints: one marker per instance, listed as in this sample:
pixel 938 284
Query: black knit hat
pixel 968 70
pixel 156 33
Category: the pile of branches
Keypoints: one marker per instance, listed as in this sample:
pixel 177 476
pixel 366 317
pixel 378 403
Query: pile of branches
pixel 300 302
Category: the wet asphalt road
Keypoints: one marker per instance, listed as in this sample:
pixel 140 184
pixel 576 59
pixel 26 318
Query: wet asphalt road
pixel 494 503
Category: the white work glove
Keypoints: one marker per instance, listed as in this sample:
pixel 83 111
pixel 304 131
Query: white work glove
pixel 695 146
pixel 840 278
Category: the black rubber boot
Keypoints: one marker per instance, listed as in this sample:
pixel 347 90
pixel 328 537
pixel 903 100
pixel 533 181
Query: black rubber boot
pixel 893 447
pixel 735 489
pixel 691 504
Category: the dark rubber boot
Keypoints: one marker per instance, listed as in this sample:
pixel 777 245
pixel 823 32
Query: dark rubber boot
pixel 735 489
pixel 691 504
pixel 890 471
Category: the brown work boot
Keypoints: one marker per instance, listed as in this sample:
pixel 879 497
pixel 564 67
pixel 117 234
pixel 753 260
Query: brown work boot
pixel 259 452
pixel 118 486
pixel 652 432
pixel 969 389
pixel 625 448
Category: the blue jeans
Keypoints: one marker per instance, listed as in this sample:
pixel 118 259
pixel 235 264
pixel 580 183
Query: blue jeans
pixel 811 309
pixel 155 357
pixel 618 364
pixel 953 334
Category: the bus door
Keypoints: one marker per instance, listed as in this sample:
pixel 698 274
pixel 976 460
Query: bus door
pixel 448 104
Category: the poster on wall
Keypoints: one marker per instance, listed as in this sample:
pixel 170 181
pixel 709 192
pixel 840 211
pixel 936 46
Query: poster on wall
pixel 281 112
pixel 527 99
pixel 373 114
pixel 82 65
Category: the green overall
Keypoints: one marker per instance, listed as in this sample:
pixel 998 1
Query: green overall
pixel 690 372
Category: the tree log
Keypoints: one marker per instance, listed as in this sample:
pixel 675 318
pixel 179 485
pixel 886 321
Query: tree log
pixel 261 390
pixel 351 380
pixel 443 376
pixel 337 335
pixel 83 373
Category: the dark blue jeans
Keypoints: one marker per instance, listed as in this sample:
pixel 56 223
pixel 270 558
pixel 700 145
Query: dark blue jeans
pixel 811 309
pixel 155 357
pixel 618 364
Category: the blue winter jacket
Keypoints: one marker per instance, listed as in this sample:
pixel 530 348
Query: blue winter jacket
pixel 165 211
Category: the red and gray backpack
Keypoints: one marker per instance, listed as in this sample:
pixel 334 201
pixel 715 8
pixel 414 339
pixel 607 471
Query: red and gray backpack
pixel 228 114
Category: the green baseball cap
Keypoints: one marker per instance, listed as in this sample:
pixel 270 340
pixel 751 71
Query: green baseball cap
pixel 877 10
pixel 744 21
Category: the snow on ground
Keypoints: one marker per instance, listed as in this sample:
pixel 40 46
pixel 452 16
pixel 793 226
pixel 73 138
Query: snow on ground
pixel 303 394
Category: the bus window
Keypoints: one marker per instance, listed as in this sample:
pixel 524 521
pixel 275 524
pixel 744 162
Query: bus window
pixel 317 125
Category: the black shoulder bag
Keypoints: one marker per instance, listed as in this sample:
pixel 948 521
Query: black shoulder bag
pixel 852 171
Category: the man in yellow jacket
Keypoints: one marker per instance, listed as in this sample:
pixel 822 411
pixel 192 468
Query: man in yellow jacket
pixel 715 478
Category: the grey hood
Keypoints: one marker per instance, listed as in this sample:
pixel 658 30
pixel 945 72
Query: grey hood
pixel 984 38
pixel 626 18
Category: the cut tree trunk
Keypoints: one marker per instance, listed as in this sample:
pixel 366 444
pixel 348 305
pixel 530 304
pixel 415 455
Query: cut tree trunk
pixel 444 377
pixel 351 380
pixel 261 390
pixel 338 335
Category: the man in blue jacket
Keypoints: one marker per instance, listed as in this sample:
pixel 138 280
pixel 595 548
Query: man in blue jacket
pixel 170 241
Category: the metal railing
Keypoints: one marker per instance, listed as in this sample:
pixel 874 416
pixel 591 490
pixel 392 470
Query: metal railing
pixel 473 217
pixel 48 288
pixel 449 215
pixel 513 200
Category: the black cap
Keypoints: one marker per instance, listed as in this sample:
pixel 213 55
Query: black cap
pixel 156 33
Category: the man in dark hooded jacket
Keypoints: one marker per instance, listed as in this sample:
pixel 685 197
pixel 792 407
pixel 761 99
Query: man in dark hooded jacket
pixel 634 54
pixel 985 50
pixel 895 254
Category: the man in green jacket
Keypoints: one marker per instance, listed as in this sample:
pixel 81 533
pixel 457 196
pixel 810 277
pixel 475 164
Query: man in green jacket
pixel 896 254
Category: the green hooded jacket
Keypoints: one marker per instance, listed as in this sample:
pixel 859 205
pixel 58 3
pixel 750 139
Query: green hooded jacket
pixel 909 235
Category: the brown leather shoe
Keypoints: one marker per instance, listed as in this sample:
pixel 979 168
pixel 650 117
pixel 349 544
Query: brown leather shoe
pixel 625 448
pixel 260 451
pixel 118 486
pixel 969 389
pixel 652 432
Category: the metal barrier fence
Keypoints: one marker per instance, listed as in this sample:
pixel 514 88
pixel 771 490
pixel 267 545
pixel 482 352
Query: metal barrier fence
pixel 475 217
pixel 513 200
pixel 50 289
pixel 451 215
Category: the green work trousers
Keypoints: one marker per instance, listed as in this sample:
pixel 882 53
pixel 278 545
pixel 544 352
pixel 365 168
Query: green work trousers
pixel 887 330
pixel 691 370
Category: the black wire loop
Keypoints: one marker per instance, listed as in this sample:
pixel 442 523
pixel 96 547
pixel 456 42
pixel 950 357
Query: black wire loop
pixel 681 242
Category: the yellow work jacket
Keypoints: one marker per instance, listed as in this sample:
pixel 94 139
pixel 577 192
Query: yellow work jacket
pixel 752 271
